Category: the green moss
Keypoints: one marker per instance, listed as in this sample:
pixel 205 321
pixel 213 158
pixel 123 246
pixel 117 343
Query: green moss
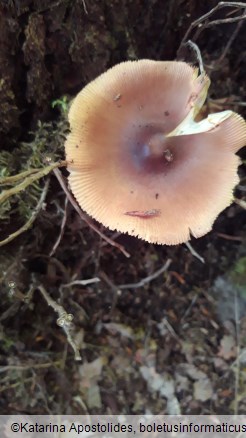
pixel 46 141
pixel 238 273
pixel 6 342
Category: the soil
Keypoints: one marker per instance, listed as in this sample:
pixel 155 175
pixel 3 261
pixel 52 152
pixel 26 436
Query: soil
pixel 173 344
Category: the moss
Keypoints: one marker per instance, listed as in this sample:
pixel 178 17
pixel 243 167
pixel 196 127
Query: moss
pixel 48 140
pixel 238 273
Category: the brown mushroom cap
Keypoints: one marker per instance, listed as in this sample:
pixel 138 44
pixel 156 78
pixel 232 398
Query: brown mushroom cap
pixel 124 170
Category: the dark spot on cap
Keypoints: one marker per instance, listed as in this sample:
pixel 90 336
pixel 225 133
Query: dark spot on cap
pixel 132 191
pixel 156 195
pixel 167 113
pixel 77 146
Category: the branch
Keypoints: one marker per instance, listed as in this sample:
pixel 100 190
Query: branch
pixel 202 24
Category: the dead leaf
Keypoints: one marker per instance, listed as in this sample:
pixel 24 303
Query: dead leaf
pixel 90 373
pixel 203 390
pixel 164 385
pixel 92 370
pixel 94 397
pixel 227 348
pixel 122 329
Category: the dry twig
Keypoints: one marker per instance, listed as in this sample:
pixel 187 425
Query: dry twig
pixel 28 366
pixel 83 215
pixel 81 282
pixel 14 178
pixel 230 41
pixel 28 180
pixel 64 320
pixel 194 253
pixel 32 218
pixel 192 303
pixel 16 384
pixel 240 202
pixel 116 291
pixel 85 7
pixel 146 280
pixel 63 223
pixel 198 55
pixel 202 22
pixel 228 237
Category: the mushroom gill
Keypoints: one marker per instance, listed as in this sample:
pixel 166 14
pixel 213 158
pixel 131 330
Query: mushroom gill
pixel 138 161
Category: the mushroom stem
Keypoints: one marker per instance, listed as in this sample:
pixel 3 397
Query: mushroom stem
pixel 156 144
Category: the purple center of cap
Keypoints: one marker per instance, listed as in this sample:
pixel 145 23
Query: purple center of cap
pixel 151 151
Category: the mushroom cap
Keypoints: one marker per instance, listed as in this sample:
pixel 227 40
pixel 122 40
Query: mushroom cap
pixel 128 174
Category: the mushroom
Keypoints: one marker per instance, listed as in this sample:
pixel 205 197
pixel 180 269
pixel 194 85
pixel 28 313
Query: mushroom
pixel 140 163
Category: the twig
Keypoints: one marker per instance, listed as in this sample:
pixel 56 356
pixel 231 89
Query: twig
pixel 240 202
pixel 32 218
pixel 12 179
pixel 147 279
pixel 228 237
pixel 109 282
pixel 220 103
pixel 240 358
pixel 29 180
pixel 193 301
pixel 229 43
pixel 242 188
pixel 64 320
pixel 85 7
pixel 28 366
pixel 202 24
pixel 116 291
pixel 84 217
pixel 198 55
pixel 81 282
pixel 16 384
pixel 194 253
pixel 141 283
pixel 170 328
pixel 63 223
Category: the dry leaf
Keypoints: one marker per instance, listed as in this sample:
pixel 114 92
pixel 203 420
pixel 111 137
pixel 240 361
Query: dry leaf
pixel 227 348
